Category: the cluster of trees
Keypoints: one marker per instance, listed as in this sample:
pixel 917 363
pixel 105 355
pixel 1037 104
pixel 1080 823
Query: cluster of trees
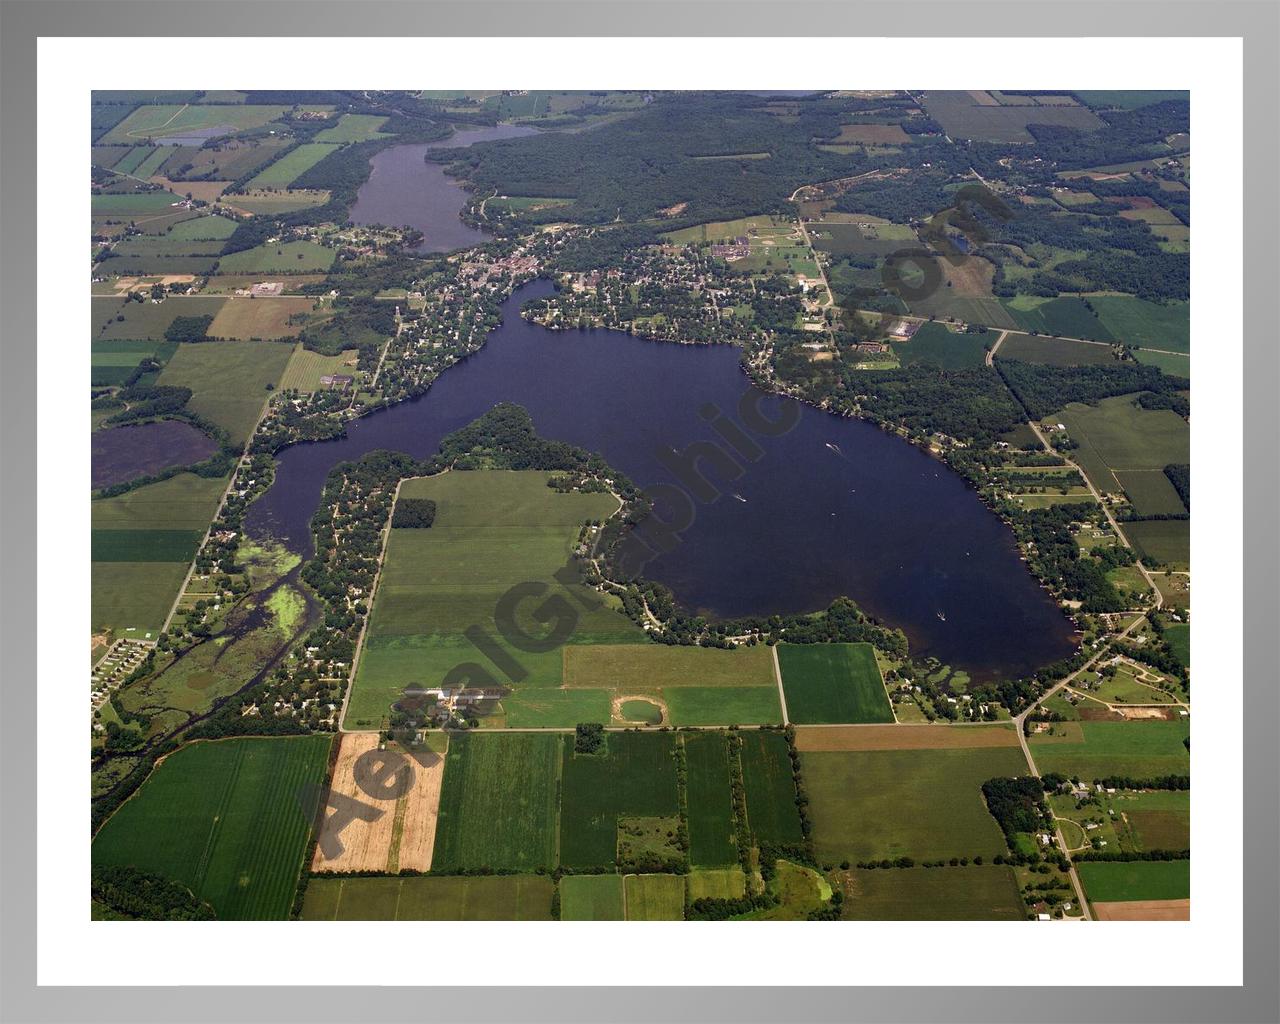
pixel 414 514
pixel 1017 804
pixel 708 908
pixel 126 893
pixel 1132 855
pixel 188 328
pixel 588 738
pixel 969 404
pixel 1167 782
pixel 1055 557
pixel 1043 389
pixel 1180 477
pixel 648 162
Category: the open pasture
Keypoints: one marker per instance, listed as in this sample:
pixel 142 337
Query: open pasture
pixel 1097 750
pixel 114 317
pixel 833 683
pixel 499 803
pixel 1139 880
pixel 184 120
pixel 430 898
pixel 974 893
pixel 306 368
pixel 1147 324
pixel 282 172
pixel 1054 351
pixel 654 897
pixel 1118 435
pixel 228 380
pixel 963 116
pixel 262 319
pixel 354 128
pixel 298 257
pixel 924 804
pixel 591 898
pixel 277 200
pixel 1067 316
pixel 223 819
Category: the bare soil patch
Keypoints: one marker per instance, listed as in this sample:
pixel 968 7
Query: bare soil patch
pixel 903 737
pixel 1144 910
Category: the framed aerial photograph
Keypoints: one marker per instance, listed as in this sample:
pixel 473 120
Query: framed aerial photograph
pixel 669 486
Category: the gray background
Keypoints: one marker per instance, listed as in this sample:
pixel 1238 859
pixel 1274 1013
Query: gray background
pixel 1257 22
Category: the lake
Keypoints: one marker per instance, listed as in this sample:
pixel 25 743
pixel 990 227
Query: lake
pixel 834 506
pixel 126 453
pixel 404 189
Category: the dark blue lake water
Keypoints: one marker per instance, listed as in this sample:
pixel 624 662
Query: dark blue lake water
pixel 835 506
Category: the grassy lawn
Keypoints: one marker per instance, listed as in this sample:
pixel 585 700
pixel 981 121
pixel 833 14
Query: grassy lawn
pixel 1096 750
pixel 591 898
pixel 223 819
pixel 1117 881
pixel 428 898
pixel 228 379
pixel 498 805
pixel 924 804
pixel 984 893
pixel 833 683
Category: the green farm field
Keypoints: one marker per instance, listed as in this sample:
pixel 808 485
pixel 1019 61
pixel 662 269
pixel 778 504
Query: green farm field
pixel 1054 351
pixel 1067 316
pixel 498 803
pixel 710 803
pixel 164 120
pixel 1165 541
pixel 716 883
pixel 654 897
pixel 924 804
pixel 306 368
pixel 354 128
pixel 973 893
pixel 591 898
pixel 282 172
pixel 299 257
pixel 1173 366
pixel 935 345
pixel 772 814
pixel 430 898
pixel 1096 750
pixel 698 685
pixel 1146 324
pixel 259 201
pixel 133 598
pixel 493 529
pixel 1117 434
pixel 228 380
pixel 112 362
pixel 117 319
pixel 1151 492
pixel 215 226
pixel 833 683
pixel 223 819
pixel 635 776
pixel 1125 881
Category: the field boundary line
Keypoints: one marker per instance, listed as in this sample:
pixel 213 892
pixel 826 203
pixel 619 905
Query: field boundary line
pixel 777 675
